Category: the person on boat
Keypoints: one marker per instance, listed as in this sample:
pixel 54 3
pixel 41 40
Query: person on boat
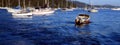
pixel 82 19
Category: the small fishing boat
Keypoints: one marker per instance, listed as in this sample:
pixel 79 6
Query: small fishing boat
pixel 82 19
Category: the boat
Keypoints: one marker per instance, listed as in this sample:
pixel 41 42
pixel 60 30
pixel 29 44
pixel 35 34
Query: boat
pixel 23 12
pixel 21 17
pixel 45 10
pixel 82 19
pixel 42 11
pixel 68 7
pixel 12 10
pixel 92 9
pixel 115 8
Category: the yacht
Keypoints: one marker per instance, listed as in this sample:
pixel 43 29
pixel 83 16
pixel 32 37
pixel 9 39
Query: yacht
pixel 12 10
pixel 45 10
pixel 42 11
pixel 23 12
pixel 92 9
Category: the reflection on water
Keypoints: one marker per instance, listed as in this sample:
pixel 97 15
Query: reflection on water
pixel 81 25
pixel 59 29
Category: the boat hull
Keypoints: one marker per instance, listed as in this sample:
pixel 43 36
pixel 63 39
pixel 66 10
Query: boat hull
pixel 93 10
pixel 43 12
pixel 22 14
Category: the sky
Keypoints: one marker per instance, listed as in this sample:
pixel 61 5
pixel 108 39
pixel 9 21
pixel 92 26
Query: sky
pixel 103 2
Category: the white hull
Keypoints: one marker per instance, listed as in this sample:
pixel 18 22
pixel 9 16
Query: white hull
pixel 4 8
pixel 93 10
pixel 66 9
pixel 69 9
pixel 22 14
pixel 13 10
pixel 116 9
pixel 43 12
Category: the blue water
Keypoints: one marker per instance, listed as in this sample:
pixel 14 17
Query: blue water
pixel 59 29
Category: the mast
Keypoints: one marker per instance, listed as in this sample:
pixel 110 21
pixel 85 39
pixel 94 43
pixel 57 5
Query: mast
pixel 52 4
pixel 2 3
pixel 38 4
pixel 66 3
pixel 18 2
pixel 58 4
pixel 29 3
pixel 45 1
pixel 48 3
pixel 72 4
pixel 90 3
pixel 24 4
pixel 8 3
pixel 62 4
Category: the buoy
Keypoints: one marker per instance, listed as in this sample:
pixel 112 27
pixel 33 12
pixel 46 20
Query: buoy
pixel 82 19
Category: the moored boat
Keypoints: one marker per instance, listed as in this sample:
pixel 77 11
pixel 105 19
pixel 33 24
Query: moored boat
pixel 93 10
pixel 42 11
pixel 115 8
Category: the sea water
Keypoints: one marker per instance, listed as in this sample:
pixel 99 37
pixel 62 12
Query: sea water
pixel 59 29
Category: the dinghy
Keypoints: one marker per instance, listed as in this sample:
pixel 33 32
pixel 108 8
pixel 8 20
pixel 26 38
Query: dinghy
pixel 82 19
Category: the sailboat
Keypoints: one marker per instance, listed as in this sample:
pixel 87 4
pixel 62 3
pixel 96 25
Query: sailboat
pixel 68 7
pixel 45 10
pixel 23 12
pixel 91 8
pixel 11 10
pixel 2 5
pixel 86 7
